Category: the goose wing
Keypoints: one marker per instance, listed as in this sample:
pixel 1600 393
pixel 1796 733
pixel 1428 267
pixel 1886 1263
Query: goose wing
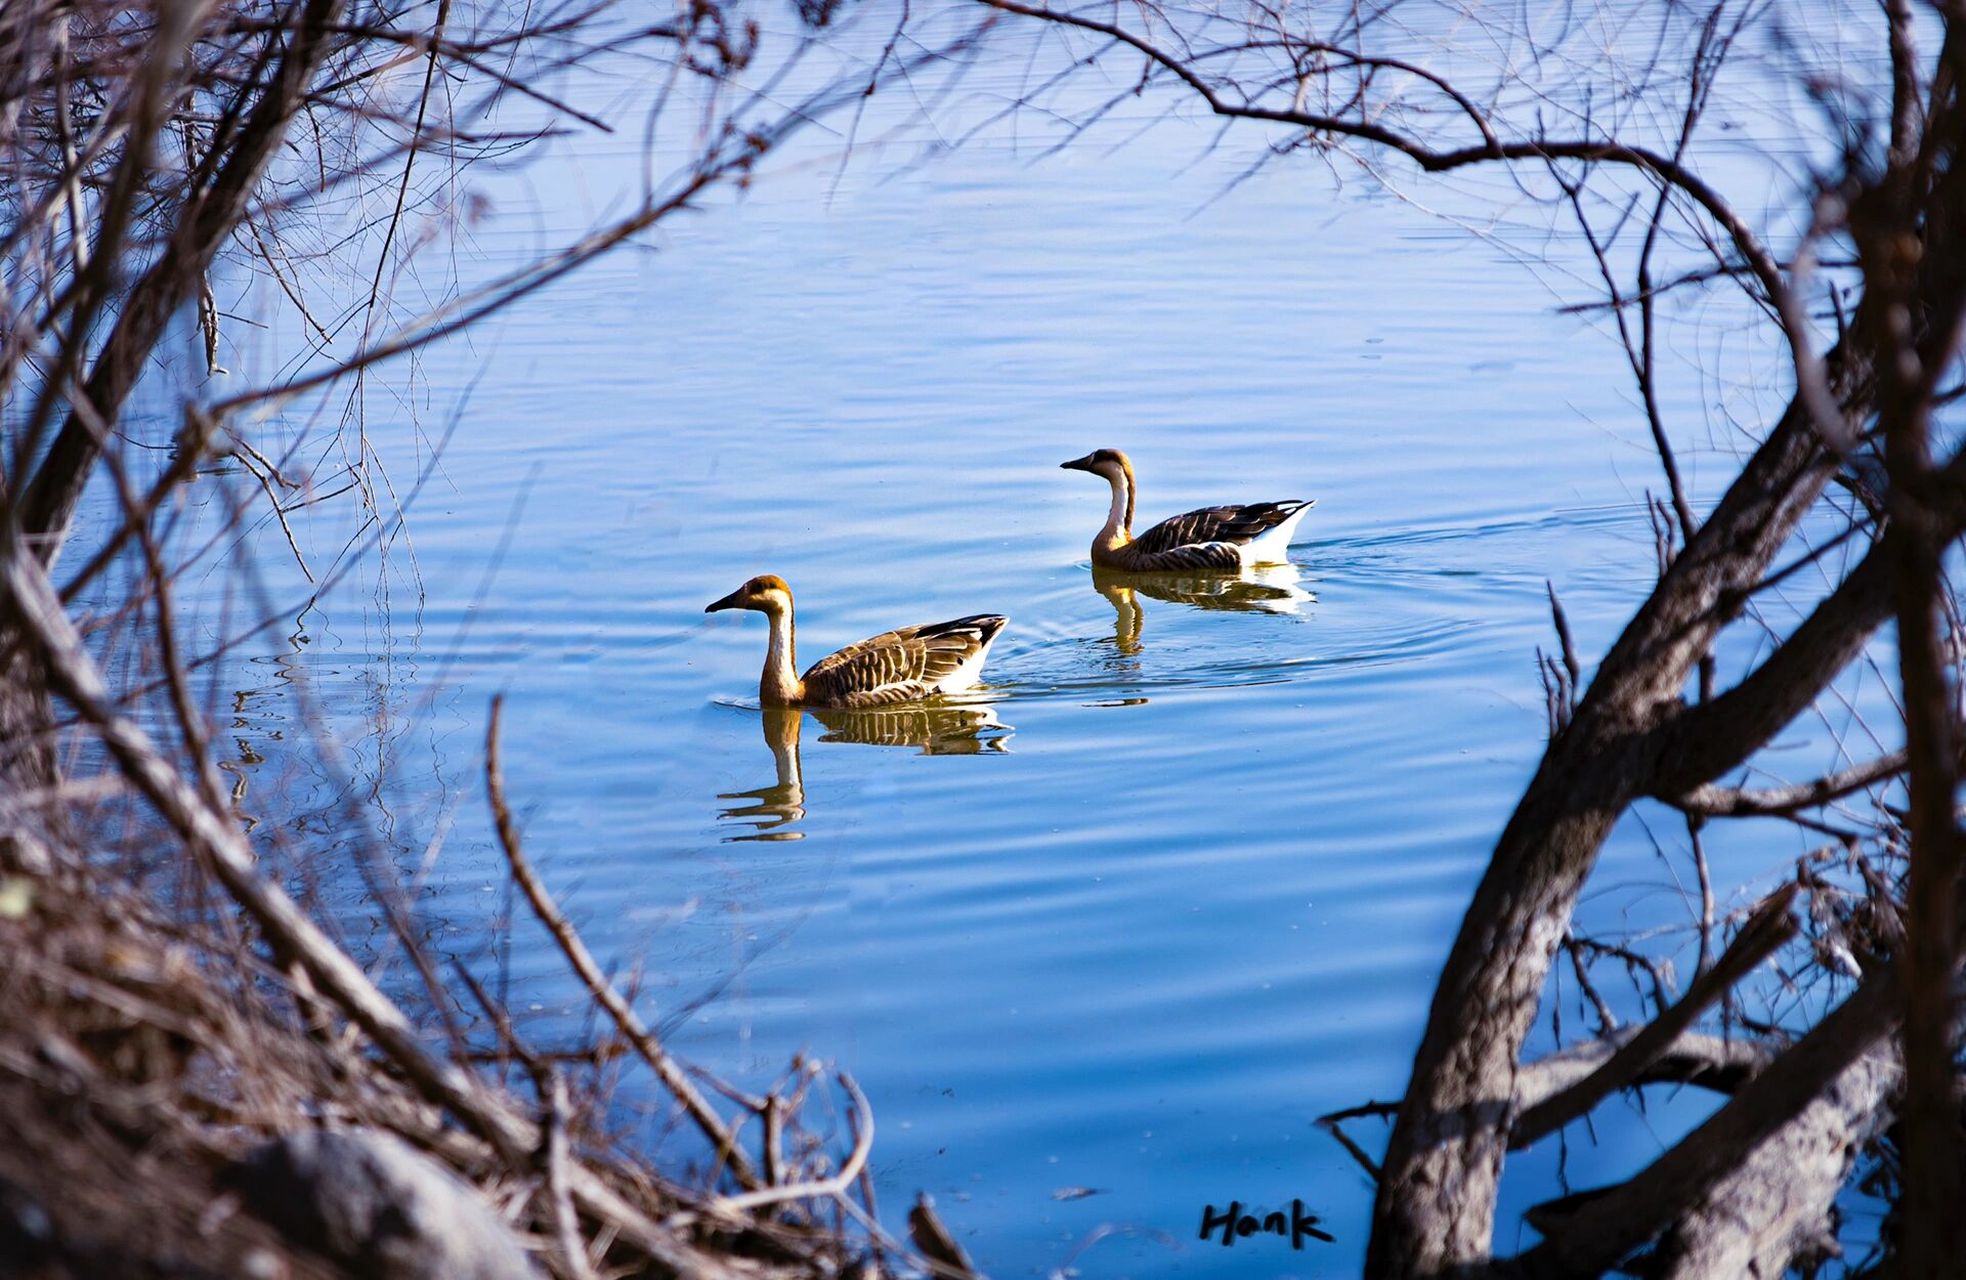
pixel 1217 524
pixel 902 665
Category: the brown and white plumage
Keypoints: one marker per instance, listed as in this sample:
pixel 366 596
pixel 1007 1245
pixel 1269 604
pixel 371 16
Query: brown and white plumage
pixel 1208 539
pixel 904 665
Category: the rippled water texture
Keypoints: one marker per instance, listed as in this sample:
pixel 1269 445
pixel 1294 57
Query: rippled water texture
pixel 1181 877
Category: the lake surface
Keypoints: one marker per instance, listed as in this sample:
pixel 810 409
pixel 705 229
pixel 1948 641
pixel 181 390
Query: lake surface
pixel 1181 878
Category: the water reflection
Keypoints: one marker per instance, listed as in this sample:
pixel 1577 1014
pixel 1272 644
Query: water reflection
pixel 938 729
pixel 783 803
pixel 1272 588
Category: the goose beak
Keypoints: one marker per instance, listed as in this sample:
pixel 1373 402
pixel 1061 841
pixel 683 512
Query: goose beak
pixel 735 600
pixel 1077 464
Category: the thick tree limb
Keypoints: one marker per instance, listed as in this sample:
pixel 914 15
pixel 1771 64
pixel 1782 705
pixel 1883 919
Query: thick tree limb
pixel 1435 1208
pixel 1607 1227
pixel 1934 1231
pixel 1706 741
pixel 1436 1202
pixel 1776 1206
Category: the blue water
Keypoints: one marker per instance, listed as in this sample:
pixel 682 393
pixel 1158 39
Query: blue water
pixel 1182 880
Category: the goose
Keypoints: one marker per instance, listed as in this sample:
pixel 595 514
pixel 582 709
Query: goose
pixel 1211 538
pixel 904 665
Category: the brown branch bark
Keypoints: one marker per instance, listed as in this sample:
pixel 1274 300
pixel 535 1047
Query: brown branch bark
pixel 1884 228
pixel 1776 1206
pixel 1606 1228
pixel 1706 741
pixel 1435 1207
pixel 1718 1064
pixel 1763 802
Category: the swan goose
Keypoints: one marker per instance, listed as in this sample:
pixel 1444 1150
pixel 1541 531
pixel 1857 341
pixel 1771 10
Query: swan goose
pixel 1227 538
pixel 904 665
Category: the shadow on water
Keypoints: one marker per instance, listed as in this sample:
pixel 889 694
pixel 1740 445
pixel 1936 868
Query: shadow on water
pixel 936 728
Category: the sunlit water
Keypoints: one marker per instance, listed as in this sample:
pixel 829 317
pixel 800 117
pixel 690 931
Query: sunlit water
pixel 1180 878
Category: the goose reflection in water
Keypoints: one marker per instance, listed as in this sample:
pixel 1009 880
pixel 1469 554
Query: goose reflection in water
pixel 938 729
pixel 783 803
pixel 1258 589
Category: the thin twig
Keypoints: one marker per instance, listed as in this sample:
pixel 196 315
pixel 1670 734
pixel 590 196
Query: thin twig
pixel 944 1256
pixel 860 1117
pixel 566 1223
pixel 665 1067
pixel 1337 1130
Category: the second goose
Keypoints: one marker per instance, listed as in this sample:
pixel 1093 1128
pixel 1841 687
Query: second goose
pixel 905 665
pixel 1226 538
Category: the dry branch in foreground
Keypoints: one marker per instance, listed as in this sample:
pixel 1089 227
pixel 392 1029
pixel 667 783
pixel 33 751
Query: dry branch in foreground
pixel 158 158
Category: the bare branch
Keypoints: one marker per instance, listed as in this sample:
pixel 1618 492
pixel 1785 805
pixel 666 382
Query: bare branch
pixel 1764 932
pixel 637 1033
pixel 1734 802
pixel 861 1117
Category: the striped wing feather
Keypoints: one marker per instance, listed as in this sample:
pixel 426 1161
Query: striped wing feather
pixel 1216 524
pixel 1195 557
pixel 899 666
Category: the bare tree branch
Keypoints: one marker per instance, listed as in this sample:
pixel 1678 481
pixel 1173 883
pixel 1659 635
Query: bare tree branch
pixel 1767 802
pixel 722 1136
pixel 1765 931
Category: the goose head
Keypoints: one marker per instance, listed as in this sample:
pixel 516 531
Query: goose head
pixel 766 593
pixel 1110 463
pixel 1117 470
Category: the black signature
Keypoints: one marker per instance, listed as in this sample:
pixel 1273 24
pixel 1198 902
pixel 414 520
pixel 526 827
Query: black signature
pixel 1234 1224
